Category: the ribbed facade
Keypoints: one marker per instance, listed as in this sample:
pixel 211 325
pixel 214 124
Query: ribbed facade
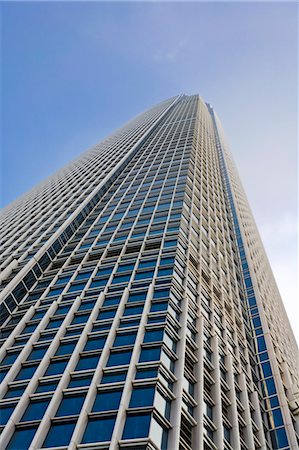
pixel 138 307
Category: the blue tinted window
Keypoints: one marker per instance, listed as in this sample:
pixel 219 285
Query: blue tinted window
pixel 5 413
pixel 55 291
pixel 60 434
pixel 137 426
pixel 99 430
pixel 66 348
pixel 21 438
pixel 106 314
pixel 151 373
pixel 142 397
pixel 54 323
pixel 154 335
pixel 14 392
pixel 150 354
pixel 76 287
pixel 165 261
pixel 114 377
pixel 10 358
pixel 104 271
pixel 282 438
pixel 83 275
pixel 270 386
pixel 145 274
pixel 110 301
pixel 119 358
pixel 87 362
pixel 137 297
pixel 98 283
pixel 62 309
pixel 96 343
pixel 35 410
pixel 87 305
pixel 121 279
pixel 63 280
pixel 70 405
pixel 159 306
pixel 165 272
pixel 106 401
pixel 147 263
pixel 161 293
pixel 82 318
pixel 26 372
pixel 132 310
pixel 124 267
pixel 47 387
pixel 37 353
pixel 129 323
pixel 77 382
pixel 267 369
pixel 277 416
pixel 56 367
pixel 170 243
pixel 124 339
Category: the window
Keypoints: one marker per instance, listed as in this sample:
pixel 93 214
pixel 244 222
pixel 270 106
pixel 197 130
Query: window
pixel 144 275
pixel 147 373
pixel 54 323
pixel 95 343
pixel 56 367
pixel 98 283
pixel 107 314
pixel 132 310
pixel 165 261
pixel 119 358
pixel 6 411
pixel 80 381
pixel 21 438
pixel 121 279
pixel 60 434
pixel 46 387
pixel 14 392
pixel 66 348
pixel 150 354
pixel 137 426
pixel 106 401
pixel 165 272
pixel 10 358
pixel 26 372
pixel 137 297
pixel 124 339
pixel 153 335
pixel 81 318
pixel 113 377
pixel 147 263
pixel 142 396
pixel 99 430
pixel 125 267
pixel 35 410
pixel 70 405
pixel 87 362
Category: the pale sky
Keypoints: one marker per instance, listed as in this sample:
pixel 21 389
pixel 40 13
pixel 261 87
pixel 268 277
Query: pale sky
pixel 74 72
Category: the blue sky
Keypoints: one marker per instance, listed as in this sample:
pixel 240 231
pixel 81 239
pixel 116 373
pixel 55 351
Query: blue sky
pixel 75 71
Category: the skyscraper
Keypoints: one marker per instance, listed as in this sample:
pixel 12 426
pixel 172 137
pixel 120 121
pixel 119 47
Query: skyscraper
pixel 138 307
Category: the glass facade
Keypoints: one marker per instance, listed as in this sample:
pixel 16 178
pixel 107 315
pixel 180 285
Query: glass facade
pixel 133 310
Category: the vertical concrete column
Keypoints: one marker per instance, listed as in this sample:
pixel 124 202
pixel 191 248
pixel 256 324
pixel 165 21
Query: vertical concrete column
pixel 233 410
pixel 248 431
pixel 198 431
pixel 216 389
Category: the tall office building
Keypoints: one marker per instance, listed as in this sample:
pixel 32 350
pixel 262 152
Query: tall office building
pixel 138 307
